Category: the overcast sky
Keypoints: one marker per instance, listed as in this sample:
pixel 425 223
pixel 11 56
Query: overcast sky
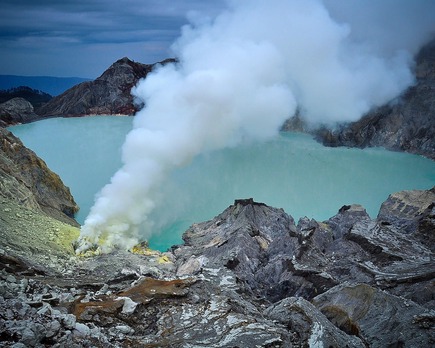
pixel 84 37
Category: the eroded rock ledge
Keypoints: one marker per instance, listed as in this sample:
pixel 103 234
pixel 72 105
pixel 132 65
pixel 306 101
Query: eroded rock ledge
pixel 251 277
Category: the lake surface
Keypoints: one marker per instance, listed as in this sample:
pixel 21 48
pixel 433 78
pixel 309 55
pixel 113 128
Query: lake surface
pixel 292 172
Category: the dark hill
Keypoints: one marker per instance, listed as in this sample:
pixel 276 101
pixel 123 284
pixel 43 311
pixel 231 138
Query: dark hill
pixel 36 97
pixel 49 84
pixel 109 94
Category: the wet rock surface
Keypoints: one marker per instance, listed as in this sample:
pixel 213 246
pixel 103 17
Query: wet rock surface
pixel 251 277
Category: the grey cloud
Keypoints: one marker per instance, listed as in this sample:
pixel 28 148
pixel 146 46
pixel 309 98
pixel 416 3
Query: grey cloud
pixel 47 29
pixel 82 18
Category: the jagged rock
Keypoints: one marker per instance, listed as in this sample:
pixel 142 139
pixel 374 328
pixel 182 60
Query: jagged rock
pixel 245 279
pixel 406 124
pixel 386 244
pixel 16 110
pixel 378 318
pixel 411 211
pixel 310 324
pixel 244 239
pixel 109 94
pixel 191 266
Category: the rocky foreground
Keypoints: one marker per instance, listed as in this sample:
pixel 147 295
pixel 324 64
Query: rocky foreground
pixel 251 277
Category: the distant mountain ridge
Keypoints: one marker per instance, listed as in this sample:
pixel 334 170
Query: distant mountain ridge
pixel 33 96
pixel 49 84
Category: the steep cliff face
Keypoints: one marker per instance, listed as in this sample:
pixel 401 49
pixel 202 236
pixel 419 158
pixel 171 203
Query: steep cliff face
pixel 107 95
pixel 407 124
pixel 26 180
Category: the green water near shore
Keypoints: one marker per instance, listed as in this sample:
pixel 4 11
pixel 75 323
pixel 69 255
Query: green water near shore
pixel 291 171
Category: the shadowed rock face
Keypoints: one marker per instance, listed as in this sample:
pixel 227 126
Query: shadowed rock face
pixel 250 277
pixel 109 94
pixel 26 180
pixel 407 124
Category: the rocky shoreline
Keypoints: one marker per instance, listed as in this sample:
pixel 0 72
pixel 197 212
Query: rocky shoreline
pixel 250 277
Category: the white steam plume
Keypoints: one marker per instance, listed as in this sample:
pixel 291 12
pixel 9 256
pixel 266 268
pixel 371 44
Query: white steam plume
pixel 239 76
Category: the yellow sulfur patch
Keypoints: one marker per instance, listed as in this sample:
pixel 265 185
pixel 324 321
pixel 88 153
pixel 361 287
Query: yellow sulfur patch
pixel 91 252
pixel 163 259
pixel 143 249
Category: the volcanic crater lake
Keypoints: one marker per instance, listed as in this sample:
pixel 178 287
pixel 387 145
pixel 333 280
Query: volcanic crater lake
pixel 291 171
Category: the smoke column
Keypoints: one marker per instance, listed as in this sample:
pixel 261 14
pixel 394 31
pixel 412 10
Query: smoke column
pixel 239 77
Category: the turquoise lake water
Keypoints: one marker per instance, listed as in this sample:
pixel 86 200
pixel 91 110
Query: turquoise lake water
pixel 292 172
